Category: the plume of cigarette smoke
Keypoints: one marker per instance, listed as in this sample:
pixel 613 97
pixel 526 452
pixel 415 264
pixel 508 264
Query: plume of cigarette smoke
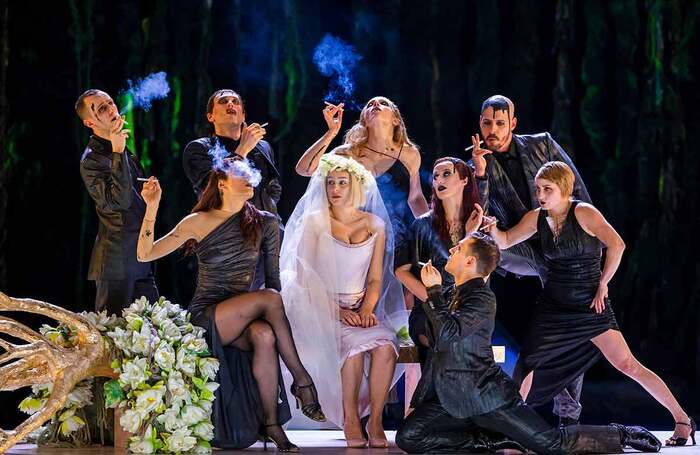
pixel 237 168
pixel 144 91
pixel 337 59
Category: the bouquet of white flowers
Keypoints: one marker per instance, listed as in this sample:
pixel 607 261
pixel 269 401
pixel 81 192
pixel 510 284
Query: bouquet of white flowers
pixel 165 386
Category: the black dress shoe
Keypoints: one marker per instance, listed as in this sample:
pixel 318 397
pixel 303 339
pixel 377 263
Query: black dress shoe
pixel 494 444
pixel 638 438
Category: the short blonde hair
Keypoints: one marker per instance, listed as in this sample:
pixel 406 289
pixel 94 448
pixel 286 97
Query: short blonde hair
pixel 560 174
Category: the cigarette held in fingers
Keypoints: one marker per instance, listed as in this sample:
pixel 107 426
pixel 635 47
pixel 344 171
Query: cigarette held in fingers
pixel 141 179
pixel 264 124
pixel 492 223
pixel 471 146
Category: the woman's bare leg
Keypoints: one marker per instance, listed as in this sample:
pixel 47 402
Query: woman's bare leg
pixel 615 349
pixel 380 376
pixel 351 376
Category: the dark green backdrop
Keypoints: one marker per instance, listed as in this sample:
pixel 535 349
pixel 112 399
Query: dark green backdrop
pixel 614 81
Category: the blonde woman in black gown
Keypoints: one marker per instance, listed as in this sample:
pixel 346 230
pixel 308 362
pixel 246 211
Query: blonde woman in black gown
pixel 574 323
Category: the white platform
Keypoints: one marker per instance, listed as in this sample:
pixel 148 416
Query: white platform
pixel 310 441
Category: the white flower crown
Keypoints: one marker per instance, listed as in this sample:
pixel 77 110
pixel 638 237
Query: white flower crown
pixel 331 163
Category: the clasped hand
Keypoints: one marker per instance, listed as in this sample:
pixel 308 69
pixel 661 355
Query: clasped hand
pixel 360 318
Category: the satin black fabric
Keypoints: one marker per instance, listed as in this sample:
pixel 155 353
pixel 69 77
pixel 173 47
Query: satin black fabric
pixel 431 429
pixel 110 180
pixel 226 265
pixel 558 348
pixel 460 369
pixel 463 391
pixel 197 164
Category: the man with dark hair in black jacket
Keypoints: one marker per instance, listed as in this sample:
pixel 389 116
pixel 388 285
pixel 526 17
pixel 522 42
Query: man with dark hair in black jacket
pixel 464 402
pixel 110 173
pixel 505 170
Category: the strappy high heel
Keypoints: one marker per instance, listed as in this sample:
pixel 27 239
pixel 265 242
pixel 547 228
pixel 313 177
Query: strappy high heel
pixel 282 446
pixel 677 440
pixel 311 410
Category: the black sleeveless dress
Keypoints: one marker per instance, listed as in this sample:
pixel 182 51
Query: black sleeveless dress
pixel 226 265
pixel 394 186
pixel 558 348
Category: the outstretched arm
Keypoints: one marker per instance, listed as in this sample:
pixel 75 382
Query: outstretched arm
pixel 522 231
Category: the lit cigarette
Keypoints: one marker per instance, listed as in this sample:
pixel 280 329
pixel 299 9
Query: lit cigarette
pixel 329 104
pixel 471 146
pixel 422 264
pixel 493 223
pixel 264 125
pixel 141 179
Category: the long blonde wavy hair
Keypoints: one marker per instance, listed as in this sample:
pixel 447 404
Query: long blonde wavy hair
pixel 358 134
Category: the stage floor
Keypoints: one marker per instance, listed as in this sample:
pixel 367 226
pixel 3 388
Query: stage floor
pixel 310 441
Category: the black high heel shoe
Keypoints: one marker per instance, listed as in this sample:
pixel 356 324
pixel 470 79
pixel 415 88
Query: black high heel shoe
pixel 311 410
pixel 282 446
pixel 678 441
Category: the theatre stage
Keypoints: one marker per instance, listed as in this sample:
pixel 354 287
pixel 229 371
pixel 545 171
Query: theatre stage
pixel 310 441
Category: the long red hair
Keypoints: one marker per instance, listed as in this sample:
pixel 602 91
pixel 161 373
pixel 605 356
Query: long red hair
pixel 251 219
pixel 470 196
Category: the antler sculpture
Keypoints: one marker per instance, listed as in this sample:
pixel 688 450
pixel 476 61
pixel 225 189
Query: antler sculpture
pixel 43 362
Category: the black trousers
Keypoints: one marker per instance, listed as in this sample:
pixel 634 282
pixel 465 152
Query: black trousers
pixel 115 295
pixel 429 428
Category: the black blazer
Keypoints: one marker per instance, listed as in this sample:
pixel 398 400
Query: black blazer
pixel 110 179
pixel 496 190
pixel 198 164
pixel 460 369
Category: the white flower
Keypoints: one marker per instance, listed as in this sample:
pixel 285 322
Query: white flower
pixel 134 372
pixel 138 445
pixel 208 366
pixel 170 419
pixel 177 388
pixel 193 343
pixel 131 420
pixel 192 414
pixel 206 405
pixel 173 309
pixel 198 331
pixel 164 356
pixel 80 396
pixel 100 320
pixel 149 399
pixel 122 339
pixel 204 430
pixel 141 340
pixel 69 422
pixel 31 405
pixel 180 441
pixel 160 314
pixel 169 331
pixel 186 362
pixel 137 307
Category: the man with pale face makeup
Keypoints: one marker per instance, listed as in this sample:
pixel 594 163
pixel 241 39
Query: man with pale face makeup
pixel 110 174
pixel 505 168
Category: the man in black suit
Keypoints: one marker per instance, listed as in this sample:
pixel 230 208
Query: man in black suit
pixel 505 170
pixel 464 401
pixel 110 173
